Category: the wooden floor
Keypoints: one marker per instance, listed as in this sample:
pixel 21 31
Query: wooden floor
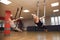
pixel 31 36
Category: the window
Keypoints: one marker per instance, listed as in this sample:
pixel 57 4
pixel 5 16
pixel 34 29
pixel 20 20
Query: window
pixel 55 20
pixel 0 25
pixel 59 19
pixel 52 21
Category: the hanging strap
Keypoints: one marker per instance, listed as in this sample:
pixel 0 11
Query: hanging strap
pixel 38 8
pixel 44 8
pixel 20 11
pixel 16 13
pixel 44 11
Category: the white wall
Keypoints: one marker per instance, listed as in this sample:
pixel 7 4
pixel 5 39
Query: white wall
pixel 28 23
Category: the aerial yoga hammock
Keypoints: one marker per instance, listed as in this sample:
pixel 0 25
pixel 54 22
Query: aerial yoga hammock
pixel 36 18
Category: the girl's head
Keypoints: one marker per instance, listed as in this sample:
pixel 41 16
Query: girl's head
pixel 11 17
pixel 34 16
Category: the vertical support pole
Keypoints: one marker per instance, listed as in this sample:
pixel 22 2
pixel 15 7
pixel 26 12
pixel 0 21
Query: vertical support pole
pixel 7 25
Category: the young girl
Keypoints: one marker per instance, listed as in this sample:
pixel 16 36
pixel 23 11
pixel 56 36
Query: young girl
pixel 13 25
pixel 38 22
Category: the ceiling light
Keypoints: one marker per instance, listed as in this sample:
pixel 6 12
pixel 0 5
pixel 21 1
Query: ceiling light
pixel 55 4
pixel 25 10
pixel 57 10
pixel 21 17
pixel 5 2
pixel 0 0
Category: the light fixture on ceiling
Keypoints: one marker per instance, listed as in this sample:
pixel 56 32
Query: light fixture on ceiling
pixel 0 0
pixel 21 17
pixel 55 4
pixel 26 10
pixel 57 10
pixel 5 2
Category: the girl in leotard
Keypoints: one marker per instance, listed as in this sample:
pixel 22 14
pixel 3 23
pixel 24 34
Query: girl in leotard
pixel 38 22
pixel 13 25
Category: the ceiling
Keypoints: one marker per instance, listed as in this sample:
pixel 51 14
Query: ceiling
pixel 30 5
